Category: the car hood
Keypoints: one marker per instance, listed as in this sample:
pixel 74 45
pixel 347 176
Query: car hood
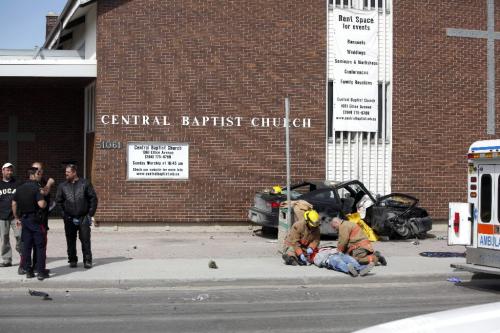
pixel 478 318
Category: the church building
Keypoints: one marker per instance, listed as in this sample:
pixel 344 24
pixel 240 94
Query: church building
pixel 175 109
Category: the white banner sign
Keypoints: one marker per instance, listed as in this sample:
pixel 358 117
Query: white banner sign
pixel 355 73
pixel 157 160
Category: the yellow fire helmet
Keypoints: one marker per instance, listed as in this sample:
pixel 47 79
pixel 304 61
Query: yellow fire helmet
pixel 276 190
pixel 312 218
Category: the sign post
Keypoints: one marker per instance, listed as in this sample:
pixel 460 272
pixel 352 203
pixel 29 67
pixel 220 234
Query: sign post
pixel 285 223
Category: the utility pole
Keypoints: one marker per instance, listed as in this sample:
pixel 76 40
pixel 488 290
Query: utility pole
pixel 285 223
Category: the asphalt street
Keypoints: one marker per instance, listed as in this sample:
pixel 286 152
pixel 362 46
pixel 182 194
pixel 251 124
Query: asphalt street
pixel 342 307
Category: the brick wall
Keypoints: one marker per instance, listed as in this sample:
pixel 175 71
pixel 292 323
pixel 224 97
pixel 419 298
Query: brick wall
pixel 208 58
pixel 51 109
pixel 439 98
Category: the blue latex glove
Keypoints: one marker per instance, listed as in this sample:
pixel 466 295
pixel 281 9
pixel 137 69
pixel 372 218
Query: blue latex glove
pixel 309 251
pixel 303 258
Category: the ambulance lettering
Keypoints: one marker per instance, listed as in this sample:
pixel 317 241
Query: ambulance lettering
pixel 490 241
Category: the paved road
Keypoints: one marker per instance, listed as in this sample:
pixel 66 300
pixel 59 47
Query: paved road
pixel 342 307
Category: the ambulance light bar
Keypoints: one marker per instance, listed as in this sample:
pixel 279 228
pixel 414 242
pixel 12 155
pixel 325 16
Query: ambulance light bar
pixel 472 156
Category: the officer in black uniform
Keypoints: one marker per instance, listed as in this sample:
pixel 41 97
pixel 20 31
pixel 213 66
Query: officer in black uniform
pixel 45 186
pixel 27 204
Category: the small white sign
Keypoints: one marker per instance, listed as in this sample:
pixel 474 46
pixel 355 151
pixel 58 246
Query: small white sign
pixel 157 160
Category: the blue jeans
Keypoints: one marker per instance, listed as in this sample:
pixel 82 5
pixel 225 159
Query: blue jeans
pixel 339 263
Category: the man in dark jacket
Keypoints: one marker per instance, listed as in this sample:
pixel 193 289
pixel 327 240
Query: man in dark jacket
pixel 8 187
pixel 78 201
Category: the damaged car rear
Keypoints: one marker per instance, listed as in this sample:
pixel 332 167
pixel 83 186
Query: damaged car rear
pixel 393 216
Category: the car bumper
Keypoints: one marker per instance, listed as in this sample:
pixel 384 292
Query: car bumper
pixel 264 219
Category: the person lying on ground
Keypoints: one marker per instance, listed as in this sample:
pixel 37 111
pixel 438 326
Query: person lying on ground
pixel 331 258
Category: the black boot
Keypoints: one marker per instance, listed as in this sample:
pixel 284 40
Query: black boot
pixel 290 260
pixel 381 258
pixel 42 275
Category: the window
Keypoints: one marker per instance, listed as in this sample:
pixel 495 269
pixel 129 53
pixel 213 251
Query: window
pixel 373 3
pixel 330 108
pixel 485 199
pixel 498 200
pixel 90 108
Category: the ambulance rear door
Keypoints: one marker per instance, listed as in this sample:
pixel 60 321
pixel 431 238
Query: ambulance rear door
pixel 460 223
pixel 488 227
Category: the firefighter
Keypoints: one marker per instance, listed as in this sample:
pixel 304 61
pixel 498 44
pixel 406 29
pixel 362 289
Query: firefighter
pixel 302 239
pixel 353 241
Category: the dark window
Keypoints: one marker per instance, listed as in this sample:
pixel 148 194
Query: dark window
pixel 330 108
pixel 325 194
pixel 373 3
pixel 498 200
pixel 382 109
pixel 339 2
pixel 485 198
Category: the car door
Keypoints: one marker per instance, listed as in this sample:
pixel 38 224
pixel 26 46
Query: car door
pixel 324 201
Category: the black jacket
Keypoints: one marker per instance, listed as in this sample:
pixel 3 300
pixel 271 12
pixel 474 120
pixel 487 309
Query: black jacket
pixel 77 199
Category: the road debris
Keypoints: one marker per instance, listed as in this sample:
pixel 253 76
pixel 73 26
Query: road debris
pixel 201 297
pixel 42 294
pixel 454 279
pixel 442 254
pixel 212 264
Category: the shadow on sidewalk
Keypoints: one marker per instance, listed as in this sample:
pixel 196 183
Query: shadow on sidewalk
pixel 63 270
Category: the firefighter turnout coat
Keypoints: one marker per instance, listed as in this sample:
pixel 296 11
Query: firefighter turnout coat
pixel 299 238
pixel 353 241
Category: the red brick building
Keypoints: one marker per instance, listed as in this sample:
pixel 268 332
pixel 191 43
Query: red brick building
pixel 203 84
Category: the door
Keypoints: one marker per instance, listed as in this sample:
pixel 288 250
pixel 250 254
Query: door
pixel 488 229
pixel 459 224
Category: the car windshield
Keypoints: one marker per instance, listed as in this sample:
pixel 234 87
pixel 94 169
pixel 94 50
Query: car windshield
pixel 351 190
pixel 294 195
pixel 396 200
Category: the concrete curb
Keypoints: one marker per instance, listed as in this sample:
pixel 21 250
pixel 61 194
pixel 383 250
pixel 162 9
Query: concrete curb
pixel 338 279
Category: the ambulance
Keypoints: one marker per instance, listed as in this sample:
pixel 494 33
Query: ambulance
pixel 476 224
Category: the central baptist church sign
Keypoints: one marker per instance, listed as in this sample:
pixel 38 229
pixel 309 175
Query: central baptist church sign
pixel 204 121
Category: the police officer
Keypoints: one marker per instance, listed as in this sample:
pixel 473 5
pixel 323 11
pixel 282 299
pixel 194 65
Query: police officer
pixel 27 204
pixel 45 187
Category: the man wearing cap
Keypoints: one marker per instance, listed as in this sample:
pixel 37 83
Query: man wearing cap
pixel 78 201
pixel 8 187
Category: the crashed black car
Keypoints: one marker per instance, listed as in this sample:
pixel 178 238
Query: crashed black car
pixel 394 216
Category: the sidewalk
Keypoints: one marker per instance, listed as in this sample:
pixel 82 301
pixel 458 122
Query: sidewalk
pixel 137 257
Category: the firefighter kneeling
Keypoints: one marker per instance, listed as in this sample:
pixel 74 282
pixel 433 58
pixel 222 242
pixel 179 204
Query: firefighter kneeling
pixel 302 239
pixel 352 240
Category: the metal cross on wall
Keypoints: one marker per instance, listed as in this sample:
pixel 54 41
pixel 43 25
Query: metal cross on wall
pixel 490 35
pixel 13 137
